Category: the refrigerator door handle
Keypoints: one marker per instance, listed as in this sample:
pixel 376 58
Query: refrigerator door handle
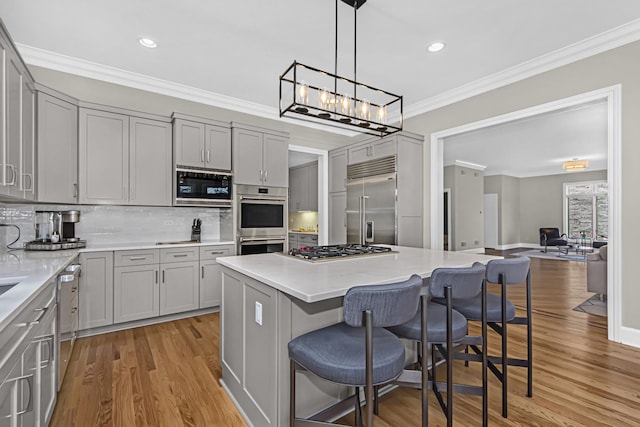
pixel 360 218
pixel 363 221
pixel 370 233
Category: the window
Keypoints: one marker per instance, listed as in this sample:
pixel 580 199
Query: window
pixel 587 210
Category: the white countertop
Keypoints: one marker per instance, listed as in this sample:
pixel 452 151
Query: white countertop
pixel 125 246
pixel 32 269
pixel 317 281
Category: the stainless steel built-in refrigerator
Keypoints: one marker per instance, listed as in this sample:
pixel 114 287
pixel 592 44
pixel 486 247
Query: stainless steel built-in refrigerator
pixel 371 202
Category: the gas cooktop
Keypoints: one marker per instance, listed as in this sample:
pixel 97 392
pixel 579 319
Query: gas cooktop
pixel 325 253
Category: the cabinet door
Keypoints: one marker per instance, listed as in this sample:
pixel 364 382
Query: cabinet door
pixel 359 154
pixel 297 189
pixel 26 177
pixel 275 160
pixel 96 289
pixel 9 397
pixel 312 187
pixel 179 290
pixel 28 388
pixel 247 157
pixel 12 167
pixel 57 150
pixel 293 243
pixel 4 172
pixel 338 171
pixel 47 369
pixel 136 293
pixel 383 147
pixel 218 147
pixel 150 172
pixel 210 284
pixel 103 157
pixel 337 218
pixel 189 143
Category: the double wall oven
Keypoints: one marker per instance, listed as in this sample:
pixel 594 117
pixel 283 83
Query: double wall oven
pixel 261 219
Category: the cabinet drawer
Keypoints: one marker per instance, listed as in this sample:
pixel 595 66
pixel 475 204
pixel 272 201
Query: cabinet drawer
pixel 179 254
pixel 136 257
pixel 293 235
pixel 213 252
pixel 307 239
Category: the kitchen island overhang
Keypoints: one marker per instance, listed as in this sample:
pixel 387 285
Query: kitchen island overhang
pixel 269 299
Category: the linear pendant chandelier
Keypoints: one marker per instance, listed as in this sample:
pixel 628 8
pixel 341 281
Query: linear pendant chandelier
pixel 311 94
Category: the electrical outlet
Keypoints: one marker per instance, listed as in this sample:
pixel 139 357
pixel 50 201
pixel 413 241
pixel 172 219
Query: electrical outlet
pixel 258 313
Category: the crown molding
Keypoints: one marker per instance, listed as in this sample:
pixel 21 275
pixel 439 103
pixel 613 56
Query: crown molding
pixel 616 37
pixel 68 64
pixel 607 40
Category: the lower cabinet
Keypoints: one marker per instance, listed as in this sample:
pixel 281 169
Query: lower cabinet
pixel 136 293
pixel 179 289
pixel 338 218
pixel 210 276
pixel 96 290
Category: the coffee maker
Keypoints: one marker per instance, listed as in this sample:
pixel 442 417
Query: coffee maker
pixel 55 230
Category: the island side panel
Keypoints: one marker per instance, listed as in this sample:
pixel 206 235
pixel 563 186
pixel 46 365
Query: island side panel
pixel 249 349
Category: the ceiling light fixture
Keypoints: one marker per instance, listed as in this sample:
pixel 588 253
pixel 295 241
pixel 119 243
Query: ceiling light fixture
pixel 146 42
pixel 435 47
pixel 308 93
pixel 575 165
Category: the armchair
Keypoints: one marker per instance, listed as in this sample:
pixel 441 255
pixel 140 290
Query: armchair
pixel 597 272
pixel 550 236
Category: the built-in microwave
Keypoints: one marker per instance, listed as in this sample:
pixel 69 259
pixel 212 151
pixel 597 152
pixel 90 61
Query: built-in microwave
pixel 202 188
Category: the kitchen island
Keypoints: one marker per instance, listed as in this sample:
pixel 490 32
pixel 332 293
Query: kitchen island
pixel 268 299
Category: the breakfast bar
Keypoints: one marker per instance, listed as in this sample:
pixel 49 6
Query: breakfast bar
pixel 268 299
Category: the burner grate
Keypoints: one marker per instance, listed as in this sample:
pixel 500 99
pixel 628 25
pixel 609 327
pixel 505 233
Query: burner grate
pixel 316 253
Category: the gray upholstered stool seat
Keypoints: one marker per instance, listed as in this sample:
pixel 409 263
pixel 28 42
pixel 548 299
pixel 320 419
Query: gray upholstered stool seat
pixel 336 353
pixel 437 331
pixel 471 308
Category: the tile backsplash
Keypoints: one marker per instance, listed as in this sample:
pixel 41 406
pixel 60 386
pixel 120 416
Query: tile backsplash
pixel 120 224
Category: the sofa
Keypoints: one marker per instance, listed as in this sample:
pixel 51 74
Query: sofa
pixel 597 272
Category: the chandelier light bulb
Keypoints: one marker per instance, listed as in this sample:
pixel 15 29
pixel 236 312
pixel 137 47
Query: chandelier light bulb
pixel 303 92
pixel 323 98
pixel 365 110
pixel 382 114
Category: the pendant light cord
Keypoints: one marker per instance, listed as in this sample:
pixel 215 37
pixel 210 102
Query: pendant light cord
pixel 355 50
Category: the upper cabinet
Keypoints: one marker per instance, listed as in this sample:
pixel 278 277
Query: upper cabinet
pixel 201 143
pixel 375 149
pixel 17 123
pixel 303 187
pixel 57 143
pixel 338 170
pixel 124 159
pixel 260 156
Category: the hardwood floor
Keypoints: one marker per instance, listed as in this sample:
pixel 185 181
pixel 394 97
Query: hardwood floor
pixel 167 374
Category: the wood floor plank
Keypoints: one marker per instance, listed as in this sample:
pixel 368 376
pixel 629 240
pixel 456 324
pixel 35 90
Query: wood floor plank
pixel 168 374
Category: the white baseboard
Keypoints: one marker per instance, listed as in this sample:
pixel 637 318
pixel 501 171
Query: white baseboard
pixel 630 336
pixel 518 245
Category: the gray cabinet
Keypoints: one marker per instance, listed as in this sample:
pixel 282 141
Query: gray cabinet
pixel 297 240
pixel 338 170
pixel 96 290
pixel 16 124
pixel 136 292
pixel 57 143
pixel 338 218
pixel 103 157
pixel 372 150
pixel 150 171
pixel 303 187
pixel 201 143
pixel 260 157
pixel 124 159
pixel 210 278
pixel 179 283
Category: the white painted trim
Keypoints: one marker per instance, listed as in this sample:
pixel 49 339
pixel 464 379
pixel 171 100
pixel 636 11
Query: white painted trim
pixel 630 336
pixel 448 191
pixel 244 415
pixel 594 45
pixel 469 165
pixel 323 189
pixel 612 95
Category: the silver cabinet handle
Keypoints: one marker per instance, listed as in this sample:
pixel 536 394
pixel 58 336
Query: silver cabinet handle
pixel 202 156
pixel 75 191
pixel 217 252
pixel 49 340
pixel 137 258
pixel 180 255
pixel 162 276
pixel 266 176
pixel 156 276
pixel 74 310
pixel 42 310
pixel 208 156
pixel 202 271
pixel 30 187
pixel 29 407
pixel 13 174
pixel 261 175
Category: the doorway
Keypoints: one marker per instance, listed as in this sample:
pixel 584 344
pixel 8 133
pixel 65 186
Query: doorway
pixel 612 96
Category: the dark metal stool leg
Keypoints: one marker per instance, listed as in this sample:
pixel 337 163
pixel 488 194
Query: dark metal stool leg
pixel 358 410
pixel 292 393
pixel 529 340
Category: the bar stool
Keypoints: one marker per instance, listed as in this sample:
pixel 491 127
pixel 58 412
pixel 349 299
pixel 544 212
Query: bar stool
pixel 445 329
pixel 500 313
pixel 358 352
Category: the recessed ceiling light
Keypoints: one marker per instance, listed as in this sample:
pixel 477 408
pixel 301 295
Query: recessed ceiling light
pixel 151 44
pixel 435 47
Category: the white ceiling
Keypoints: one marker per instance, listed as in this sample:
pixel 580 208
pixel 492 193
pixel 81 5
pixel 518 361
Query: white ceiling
pixel 234 51
pixel 537 145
